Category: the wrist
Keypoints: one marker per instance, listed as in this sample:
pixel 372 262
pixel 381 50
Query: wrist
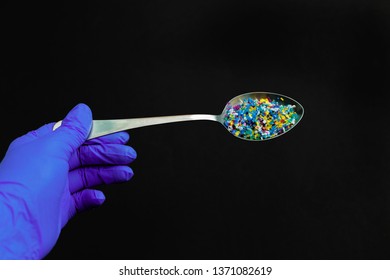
pixel 20 236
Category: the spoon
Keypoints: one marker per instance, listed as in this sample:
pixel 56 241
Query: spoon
pixel 253 116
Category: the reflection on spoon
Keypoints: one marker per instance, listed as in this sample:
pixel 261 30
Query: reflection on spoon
pixel 254 116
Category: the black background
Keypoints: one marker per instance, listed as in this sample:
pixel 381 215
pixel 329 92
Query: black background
pixel 319 192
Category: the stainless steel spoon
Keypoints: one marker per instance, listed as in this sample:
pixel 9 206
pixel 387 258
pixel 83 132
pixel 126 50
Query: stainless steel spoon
pixel 104 127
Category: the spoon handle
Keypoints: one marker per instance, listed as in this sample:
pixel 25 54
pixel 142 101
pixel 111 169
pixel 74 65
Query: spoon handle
pixel 104 127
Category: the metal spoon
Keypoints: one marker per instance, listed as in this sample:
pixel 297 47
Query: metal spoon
pixel 104 127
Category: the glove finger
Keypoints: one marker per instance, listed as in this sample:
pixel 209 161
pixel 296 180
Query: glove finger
pixel 114 138
pixel 32 135
pixel 87 177
pixel 87 199
pixel 102 155
pixel 75 128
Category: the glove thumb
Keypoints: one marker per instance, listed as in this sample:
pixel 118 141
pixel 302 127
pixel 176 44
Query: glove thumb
pixel 76 126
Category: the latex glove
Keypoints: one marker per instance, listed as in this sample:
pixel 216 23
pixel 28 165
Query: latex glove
pixel 46 178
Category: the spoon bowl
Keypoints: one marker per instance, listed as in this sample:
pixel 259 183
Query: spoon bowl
pixel 253 116
pixel 266 115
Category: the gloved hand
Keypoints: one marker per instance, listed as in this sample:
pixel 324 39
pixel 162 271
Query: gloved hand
pixel 46 178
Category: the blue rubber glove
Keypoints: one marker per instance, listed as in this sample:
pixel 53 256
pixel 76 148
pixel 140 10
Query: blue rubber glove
pixel 46 178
